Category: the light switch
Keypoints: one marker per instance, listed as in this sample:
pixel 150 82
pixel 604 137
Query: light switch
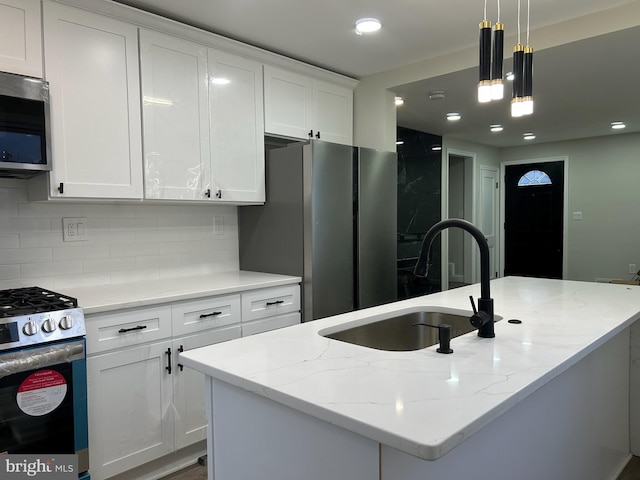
pixel 218 225
pixel 577 215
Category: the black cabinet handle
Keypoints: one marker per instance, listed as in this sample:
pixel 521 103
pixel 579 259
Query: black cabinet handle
pixel 61 188
pixel 218 193
pixel 125 330
pixel 310 133
pixel 318 135
pixel 277 302
pixel 168 367
pixel 180 350
pixel 207 193
pixel 212 314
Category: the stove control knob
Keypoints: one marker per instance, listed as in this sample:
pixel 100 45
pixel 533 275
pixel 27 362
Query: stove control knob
pixel 66 322
pixel 30 328
pixel 49 325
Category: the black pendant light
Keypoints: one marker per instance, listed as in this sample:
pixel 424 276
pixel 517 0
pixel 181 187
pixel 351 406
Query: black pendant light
pixel 484 83
pixel 497 57
pixel 527 72
pixel 517 98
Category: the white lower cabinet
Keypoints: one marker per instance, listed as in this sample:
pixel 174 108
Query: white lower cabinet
pixel 130 417
pixel 142 404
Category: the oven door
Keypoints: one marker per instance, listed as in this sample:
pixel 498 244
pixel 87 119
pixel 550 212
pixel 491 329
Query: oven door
pixel 43 401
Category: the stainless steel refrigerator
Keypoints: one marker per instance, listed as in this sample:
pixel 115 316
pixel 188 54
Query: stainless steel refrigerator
pixel 330 218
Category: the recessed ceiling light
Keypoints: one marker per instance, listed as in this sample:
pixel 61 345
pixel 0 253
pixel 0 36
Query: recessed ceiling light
pixel 436 148
pixel 528 136
pixel 399 101
pixel 510 76
pixel 436 95
pixel 367 25
pixel 453 116
pixel 496 128
pixel 399 142
pixel 618 125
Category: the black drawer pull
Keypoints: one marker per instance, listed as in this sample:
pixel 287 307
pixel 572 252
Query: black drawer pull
pixel 125 330
pixel 212 314
pixel 277 302
pixel 168 367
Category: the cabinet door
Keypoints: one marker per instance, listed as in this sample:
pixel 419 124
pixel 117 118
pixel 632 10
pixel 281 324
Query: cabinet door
pixel 130 419
pixel 333 114
pixel 237 128
pixel 288 103
pixel 91 63
pixel 174 116
pixel 20 37
pixel 189 398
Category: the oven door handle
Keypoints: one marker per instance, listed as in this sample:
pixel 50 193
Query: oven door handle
pixel 24 361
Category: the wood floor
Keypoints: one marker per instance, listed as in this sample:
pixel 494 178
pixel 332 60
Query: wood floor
pixel 199 472
pixel 194 472
pixel 632 470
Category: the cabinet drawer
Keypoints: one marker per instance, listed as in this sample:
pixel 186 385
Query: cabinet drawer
pixel 271 323
pixel 128 327
pixel 269 302
pixel 197 315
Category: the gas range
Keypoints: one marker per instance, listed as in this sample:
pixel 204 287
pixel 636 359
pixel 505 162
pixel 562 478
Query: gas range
pixel 32 315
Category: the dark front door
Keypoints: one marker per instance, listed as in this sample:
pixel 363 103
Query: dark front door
pixel 534 215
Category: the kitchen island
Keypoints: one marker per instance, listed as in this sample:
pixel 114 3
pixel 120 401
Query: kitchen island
pixel 546 398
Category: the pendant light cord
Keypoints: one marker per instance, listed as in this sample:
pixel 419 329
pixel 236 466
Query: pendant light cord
pixel 485 9
pixel 498 11
pixel 518 21
pixel 528 16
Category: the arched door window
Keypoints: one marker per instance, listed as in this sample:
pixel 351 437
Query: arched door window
pixel 534 177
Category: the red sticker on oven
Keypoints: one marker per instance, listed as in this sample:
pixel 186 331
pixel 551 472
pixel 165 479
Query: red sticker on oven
pixel 41 392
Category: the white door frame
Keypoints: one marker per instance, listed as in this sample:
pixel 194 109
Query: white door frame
pixel 565 206
pixel 444 268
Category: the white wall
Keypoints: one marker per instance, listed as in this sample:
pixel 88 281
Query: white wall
pixel 604 184
pixel 126 242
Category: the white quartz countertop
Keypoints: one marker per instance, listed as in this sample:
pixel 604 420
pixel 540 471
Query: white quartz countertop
pixel 104 298
pixel 422 402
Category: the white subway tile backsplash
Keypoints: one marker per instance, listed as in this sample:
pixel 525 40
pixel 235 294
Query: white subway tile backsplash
pixel 25 225
pixel 50 269
pixel 9 271
pixel 15 256
pixel 48 210
pixel 125 242
pixel 9 240
pixel 80 252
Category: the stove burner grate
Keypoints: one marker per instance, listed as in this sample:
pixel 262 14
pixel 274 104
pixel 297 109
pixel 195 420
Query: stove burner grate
pixel 30 300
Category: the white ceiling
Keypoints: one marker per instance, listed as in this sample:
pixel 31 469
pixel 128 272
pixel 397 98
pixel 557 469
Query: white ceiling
pixel 565 78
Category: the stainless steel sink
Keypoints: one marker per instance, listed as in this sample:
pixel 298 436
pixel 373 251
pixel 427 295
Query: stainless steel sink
pixel 400 332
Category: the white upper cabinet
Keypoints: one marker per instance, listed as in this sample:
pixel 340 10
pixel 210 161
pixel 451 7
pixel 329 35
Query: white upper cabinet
pixel 237 128
pixel 91 63
pixel 203 122
pixel 298 106
pixel 21 37
pixel 175 118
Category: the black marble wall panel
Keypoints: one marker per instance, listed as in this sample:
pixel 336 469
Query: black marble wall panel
pixel 419 208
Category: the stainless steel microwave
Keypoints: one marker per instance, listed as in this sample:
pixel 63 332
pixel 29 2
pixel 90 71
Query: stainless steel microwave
pixel 24 126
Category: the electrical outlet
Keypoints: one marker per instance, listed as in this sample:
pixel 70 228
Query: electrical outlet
pixel 74 229
pixel 632 268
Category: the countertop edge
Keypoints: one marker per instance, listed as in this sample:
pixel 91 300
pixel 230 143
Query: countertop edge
pixel 114 297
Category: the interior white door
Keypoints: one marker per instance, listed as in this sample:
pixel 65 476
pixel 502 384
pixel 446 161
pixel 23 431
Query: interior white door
pixel 488 216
